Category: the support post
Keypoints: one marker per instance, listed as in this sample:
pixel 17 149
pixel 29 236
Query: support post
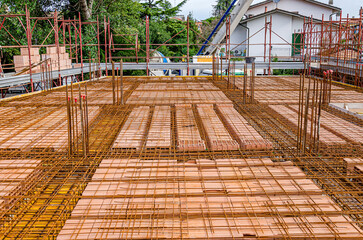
pixel 188 45
pixel 121 82
pixel 80 43
pixel 105 29
pixel 147 46
pixel 29 38
pixel 113 83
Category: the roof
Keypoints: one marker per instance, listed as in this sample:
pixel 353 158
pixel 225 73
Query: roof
pixel 277 11
pixel 310 1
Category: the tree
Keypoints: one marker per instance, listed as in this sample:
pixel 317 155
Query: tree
pixel 221 7
pixel 160 9
pixel 126 17
pixel 86 8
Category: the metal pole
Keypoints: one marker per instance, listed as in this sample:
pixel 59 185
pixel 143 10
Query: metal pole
pixel 221 68
pixel 99 46
pixel 63 26
pixel 29 37
pixel 244 83
pixel 117 98
pixel 70 41
pixel 76 38
pixel 306 114
pixel 56 34
pixel 214 67
pixel 265 43
pixel 109 39
pixel 121 82
pixel 105 27
pixel 147 45
pixel 90 68
pixel 253 82
pixel 299 114
pixel 228 48
pixel 69 123
pixel 113 83
pixel 82 121
pixel 188 46
pixel 270 47
pixel 80 43
pixel 72 118
pixel 86 117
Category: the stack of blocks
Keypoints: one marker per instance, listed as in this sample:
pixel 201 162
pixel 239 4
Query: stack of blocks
pixel 22 61
pixel 64 60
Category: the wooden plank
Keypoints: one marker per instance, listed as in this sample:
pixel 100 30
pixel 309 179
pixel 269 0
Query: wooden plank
pixel 159 135
pixel 218 137
pixel 133 131
pixel 143 199
pixel 188 135
pixel 47 132
pixel 246 135
pixel 326 136
pixel 351 163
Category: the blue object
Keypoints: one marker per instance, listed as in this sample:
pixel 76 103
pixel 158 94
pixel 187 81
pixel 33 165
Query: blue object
pixel 216 28
pixel 165 60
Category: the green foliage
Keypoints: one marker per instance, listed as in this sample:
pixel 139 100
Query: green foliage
pixel 126 17
pixel 283 71
pixel 221 7
pixel 160 9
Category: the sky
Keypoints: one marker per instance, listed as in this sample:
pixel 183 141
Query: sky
pixel 202 9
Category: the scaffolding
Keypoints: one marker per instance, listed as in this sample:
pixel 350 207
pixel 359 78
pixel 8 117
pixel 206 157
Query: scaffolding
pixel 169 182
pixel 335 45
pixel 181 157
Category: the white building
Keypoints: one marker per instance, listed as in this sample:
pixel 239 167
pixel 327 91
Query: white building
pixel 287 20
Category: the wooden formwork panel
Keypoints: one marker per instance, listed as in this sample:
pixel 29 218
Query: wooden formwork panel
pixel 13 174
pixel 292 97
pixel 246 135
pixel 295 81
pixel 212 228
pixel 13 120
pixel 57 138
pixel 194 206
pixel 159 135
pixel 177 97
pixel 277 97
pixel 201 163
pixel 28 134
pixel 148 188
pixel 47 132
pixel 353 162
pixel 194 173
pixel 95 95
pixel 133 132
pixel 176 86
pixel 201 199
pixel 326 136
pixel 346 97
pixel 359 169
pixel 265 83
pixel 188 136
pixel 217 135
pixel 18 163
pixel 347 129
pixel 275 83
pixel 340 126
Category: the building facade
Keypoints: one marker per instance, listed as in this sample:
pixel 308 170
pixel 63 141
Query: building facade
pixel 275 29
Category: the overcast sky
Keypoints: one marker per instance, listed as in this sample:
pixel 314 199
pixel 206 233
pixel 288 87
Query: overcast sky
pixel 202 9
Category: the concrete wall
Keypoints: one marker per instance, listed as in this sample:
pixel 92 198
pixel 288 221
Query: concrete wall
pixel 239 35
pixel 282 25
pixel 300 6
